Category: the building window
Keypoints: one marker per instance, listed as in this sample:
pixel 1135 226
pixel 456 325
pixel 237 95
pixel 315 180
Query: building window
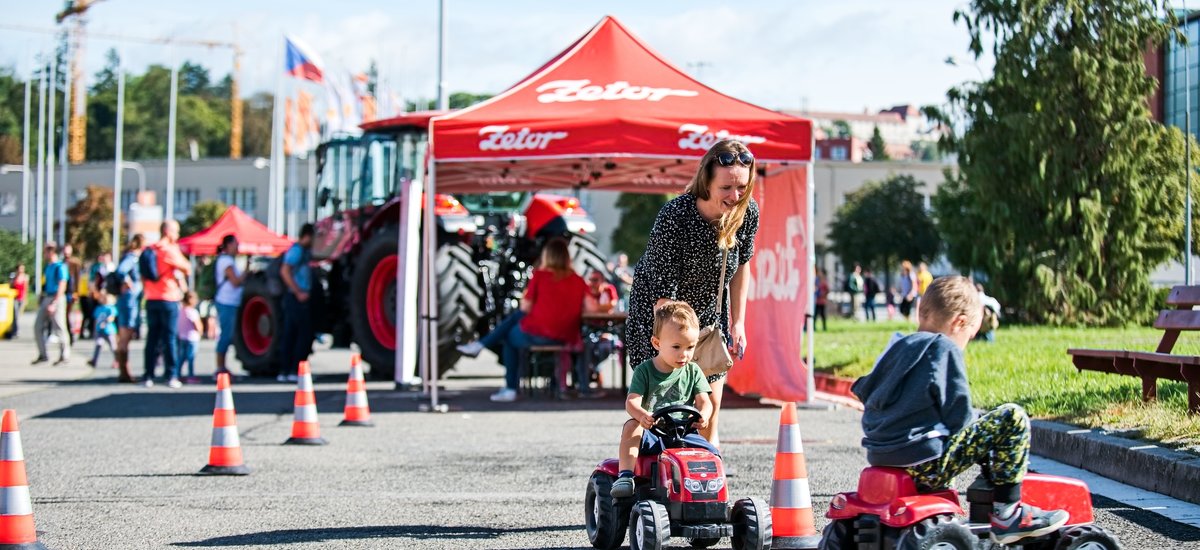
pixel 1182 79
pixel 8 204
pixel 296 199
pixel 185 199
pixel 838 152
pixel 245 198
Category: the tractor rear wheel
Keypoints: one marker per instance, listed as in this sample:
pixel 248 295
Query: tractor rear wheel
pixel 258 327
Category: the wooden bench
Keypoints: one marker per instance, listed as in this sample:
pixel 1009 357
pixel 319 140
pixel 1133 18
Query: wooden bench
pixel 1160 363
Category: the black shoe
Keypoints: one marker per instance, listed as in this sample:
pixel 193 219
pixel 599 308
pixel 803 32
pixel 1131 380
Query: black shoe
pixel 40 360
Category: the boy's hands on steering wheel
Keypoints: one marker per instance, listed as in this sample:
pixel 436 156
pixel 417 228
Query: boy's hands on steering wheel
pixel 645 419
pixel 701 424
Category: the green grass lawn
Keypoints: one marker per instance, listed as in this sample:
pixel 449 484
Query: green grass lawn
pixel 1029 365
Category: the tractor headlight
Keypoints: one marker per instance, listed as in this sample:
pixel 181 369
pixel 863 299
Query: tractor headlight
pixel 693 486
pixel 715 485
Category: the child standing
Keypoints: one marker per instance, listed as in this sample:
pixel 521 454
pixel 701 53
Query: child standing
pixel 104 325
pixel 918 413
pixel 188 329
pixel 670 378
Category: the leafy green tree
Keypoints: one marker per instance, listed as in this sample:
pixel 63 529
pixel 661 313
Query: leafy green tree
pixel 638 211
pixel 883 223
pixel 840 129
pixel 877 146
pixel 204 214
pixel 1068 193
pixel 12 253
pixel 89 222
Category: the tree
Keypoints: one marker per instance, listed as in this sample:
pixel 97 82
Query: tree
pixel 1068 193
pixel 840 129
pixel 638 211
pixel 204 214
pixel 883 223
pixel 12 253
pixel 89 222
pixel 877 146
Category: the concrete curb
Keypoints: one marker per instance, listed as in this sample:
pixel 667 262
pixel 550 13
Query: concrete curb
pixel 1138 463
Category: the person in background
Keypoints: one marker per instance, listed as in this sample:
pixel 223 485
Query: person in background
pixel 20 283
pixel 297 315
pixel 73 269
pixel 52 308
pixel 991 316
pixel 854 285
pixel 604 293
pixel 129 316
pixel 820 300
pixel 870 290
pixel 188 333
pixel 104 324
pixel 924 278
pixel 162 301
pixel 622 279
pixel 228 296
pixel 90 288
pixel 908 289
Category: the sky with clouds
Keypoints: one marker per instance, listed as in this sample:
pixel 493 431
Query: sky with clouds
pixel 847 56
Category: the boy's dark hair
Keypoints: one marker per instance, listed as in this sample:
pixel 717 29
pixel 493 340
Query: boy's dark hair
pixel 679 313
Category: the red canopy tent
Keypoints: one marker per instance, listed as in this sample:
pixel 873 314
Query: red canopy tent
pixel 253 238
pixel 611 113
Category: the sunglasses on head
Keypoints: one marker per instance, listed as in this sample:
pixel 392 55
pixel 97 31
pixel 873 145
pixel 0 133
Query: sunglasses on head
pixel 728 158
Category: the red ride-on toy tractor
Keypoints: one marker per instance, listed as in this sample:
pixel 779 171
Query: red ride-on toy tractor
pixel 679 493
pixel 888 513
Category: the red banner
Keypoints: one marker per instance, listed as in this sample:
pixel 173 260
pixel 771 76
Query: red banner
pixel 773 365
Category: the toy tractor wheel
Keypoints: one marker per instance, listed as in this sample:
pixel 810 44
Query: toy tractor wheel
pixel 751 524
pixel 943 532
pixel 649 526
pixel 703 543
pixel 1086 537
pixel 838 535
pixel 604 520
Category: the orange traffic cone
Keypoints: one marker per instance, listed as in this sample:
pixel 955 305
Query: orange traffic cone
pixel 305 429
pixel 16 515
pixel 357 413
pixel 225 452
pixel 791 503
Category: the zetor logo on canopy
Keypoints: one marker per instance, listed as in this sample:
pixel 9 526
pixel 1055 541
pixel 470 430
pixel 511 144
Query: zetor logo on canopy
pixel 498 138
pixel 566 91
pixel 698 136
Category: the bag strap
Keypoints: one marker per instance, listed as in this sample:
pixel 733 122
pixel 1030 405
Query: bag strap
pixel 721 281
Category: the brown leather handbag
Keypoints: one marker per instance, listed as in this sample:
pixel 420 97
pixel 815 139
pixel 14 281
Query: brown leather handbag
pixel 712 352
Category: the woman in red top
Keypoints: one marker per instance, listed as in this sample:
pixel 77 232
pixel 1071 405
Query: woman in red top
pixel 550 314
pixel 19 283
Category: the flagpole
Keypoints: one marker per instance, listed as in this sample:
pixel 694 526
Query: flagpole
pixel 276 140
pixel 172 109
pixel 118 204
pixel 40 194
pixel 53 91
pixel 62 152
pixel 26 177
pixel 441 68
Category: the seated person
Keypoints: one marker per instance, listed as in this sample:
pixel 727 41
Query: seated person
pixel 670 378
pixel 599 343
pixel 602 291
pixel 551 313
pixel 918 414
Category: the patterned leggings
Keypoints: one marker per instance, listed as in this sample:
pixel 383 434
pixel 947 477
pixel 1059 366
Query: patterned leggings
pixel 998 441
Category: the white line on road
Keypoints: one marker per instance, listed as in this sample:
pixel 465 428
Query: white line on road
pixel 1170 508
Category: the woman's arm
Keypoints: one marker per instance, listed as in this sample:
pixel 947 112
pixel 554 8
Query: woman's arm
pixel 739 291
pixel 231 276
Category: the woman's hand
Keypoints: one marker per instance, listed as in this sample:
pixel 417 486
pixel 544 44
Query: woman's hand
pixel 737 336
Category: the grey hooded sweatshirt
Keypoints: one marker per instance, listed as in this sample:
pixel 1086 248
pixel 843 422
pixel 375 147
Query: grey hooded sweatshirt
pixel 914 398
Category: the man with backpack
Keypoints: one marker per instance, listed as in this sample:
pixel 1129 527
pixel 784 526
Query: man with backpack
pixel 296 275
pixel 162 267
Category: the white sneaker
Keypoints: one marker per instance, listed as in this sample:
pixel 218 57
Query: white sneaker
pixel 174 383
pixel 149 383
pixel 281 378
pixel 471 349
pixel 504 396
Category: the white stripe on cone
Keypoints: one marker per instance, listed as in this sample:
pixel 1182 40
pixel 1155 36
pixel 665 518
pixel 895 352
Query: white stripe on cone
pixel 356 399
pixel 10 446
pixel 306 413
pixel 789 439
pixel 14 501
pixel 304 383
pixel 791 493
pixel 224 400
pixel 226 436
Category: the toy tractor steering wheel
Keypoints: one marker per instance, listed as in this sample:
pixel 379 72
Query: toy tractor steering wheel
pixel 675 421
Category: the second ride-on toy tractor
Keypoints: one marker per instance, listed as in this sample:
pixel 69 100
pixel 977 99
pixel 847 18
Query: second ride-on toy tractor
pixel 679 493
pixel 887 512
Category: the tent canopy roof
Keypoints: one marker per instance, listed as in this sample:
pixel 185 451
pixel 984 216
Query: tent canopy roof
pixel 610 113
pixel 253 238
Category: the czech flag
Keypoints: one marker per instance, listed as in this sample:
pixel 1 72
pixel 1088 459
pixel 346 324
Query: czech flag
pixel 299 62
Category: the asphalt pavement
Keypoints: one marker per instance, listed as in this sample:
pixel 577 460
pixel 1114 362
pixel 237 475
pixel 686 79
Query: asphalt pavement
pixel 112 465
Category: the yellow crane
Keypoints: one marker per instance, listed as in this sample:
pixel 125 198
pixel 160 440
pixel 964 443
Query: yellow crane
pixel 76 10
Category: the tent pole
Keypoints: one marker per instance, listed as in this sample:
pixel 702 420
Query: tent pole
pixel 809 210
pixel 431 305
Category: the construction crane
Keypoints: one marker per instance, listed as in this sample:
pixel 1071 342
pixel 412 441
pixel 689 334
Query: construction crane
pixel 76 10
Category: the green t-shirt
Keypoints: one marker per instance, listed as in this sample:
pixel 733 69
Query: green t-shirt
pixel 678 387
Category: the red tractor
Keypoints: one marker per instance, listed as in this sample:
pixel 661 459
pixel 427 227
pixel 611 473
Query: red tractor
pixel 486 245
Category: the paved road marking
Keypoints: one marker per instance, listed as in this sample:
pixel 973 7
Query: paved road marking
pixel 1170 508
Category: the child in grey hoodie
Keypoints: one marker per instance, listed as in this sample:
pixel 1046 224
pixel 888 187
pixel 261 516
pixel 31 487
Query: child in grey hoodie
pixel 918 413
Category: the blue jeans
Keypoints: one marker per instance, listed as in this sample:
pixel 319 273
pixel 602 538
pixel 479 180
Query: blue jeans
pixel 509 335
pixel 296 341
pixel 226 318
pixel 187 354
pixel 161 321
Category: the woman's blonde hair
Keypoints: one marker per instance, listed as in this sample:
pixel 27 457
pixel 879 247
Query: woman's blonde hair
pixel 701 187
pixel 556 257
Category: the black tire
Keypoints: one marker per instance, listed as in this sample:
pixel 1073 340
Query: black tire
pixel 649 526
pixel 1092 536
pixel 702 543
pixel 585 256
pixel 944 530
pixel 458 302
pixel 751 524
pixel 258 327
pixel 604 520
pixel 838 535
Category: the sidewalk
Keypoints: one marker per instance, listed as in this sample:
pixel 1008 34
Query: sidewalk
pixel 17 376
